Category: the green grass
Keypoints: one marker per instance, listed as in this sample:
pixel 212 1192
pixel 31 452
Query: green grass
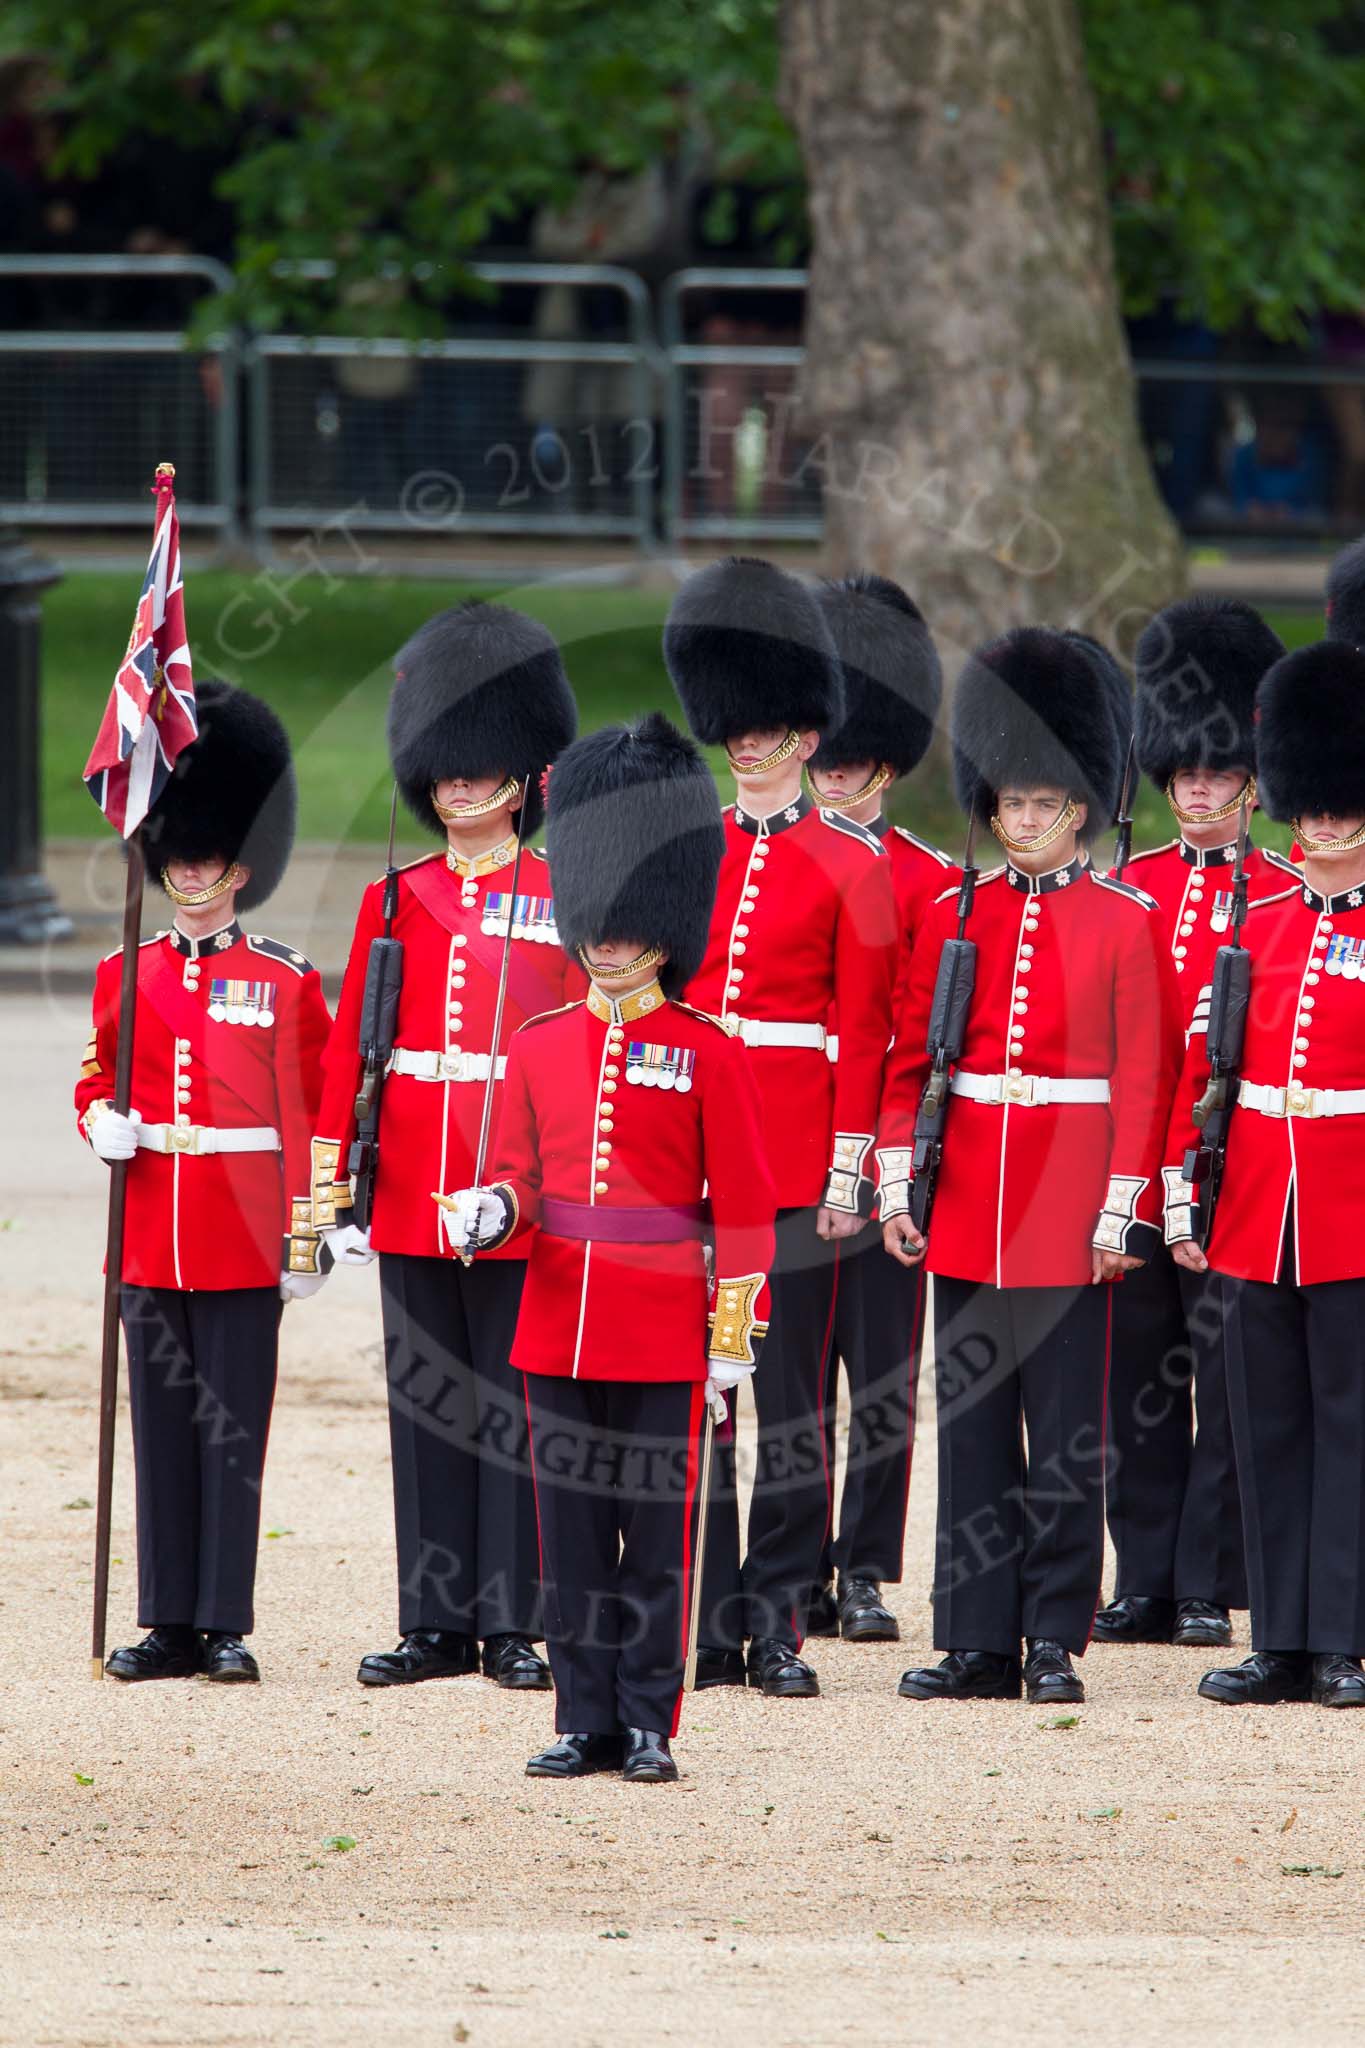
pixel 321 654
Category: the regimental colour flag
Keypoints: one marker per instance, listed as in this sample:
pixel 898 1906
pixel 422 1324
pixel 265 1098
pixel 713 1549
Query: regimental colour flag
pixel 151 713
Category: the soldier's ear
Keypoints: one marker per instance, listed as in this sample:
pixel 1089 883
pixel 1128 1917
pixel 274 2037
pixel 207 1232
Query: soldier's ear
pixel 809 742
pixel 243 873
pixel 1082 813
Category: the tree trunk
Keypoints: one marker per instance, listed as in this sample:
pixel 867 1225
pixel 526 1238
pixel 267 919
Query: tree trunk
pixel 967 375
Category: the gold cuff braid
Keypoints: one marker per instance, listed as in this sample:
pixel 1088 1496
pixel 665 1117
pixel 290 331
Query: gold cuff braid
pixel 734 1327
pixel 304 1242
pixel 327 1192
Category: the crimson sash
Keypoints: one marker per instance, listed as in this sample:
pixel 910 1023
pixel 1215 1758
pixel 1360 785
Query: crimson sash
pixel 243 1058
pixel 529 984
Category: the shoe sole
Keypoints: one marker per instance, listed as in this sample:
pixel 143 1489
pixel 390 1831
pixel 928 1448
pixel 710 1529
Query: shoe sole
pixel 1189 1639
pixel 534 1682
pixel 416 1678
pixel 911 1692
pixel 874 1632
pixel 1056 1696
pixel 150 1677
pixel 233 1677
pixel 1222 1699
pixel 650 1777
pixel 587 1771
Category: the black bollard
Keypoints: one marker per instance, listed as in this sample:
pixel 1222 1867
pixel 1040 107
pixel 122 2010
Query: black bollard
pixel 29 913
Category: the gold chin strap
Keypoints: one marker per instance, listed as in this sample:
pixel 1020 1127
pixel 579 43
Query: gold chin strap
pixel 859 796
pixel 773 760
pixel 229 879
pixel 459 814
pixel 1227 810
pixel 1062 823
pixel 649 958
pixel 1314 848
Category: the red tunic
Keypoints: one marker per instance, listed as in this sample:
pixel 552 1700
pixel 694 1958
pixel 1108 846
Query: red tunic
pixel 1072 983
pixel 205 1219
pixel 1192 889
pixel 1305 1031
pixel 429 1129
pixel 805 921
pixel 646 1109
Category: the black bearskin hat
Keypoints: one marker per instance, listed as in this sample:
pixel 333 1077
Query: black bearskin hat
pixel 1346 596
pixel 893 680
pixel 1118 695
pixel 634 839
pixel 1033 707
pixel 749 651
pixel 479 690
pixel 1311 727
pixel 232 794
pixel 1198 664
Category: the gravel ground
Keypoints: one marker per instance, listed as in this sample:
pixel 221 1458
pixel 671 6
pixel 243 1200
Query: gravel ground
pixel 842 1870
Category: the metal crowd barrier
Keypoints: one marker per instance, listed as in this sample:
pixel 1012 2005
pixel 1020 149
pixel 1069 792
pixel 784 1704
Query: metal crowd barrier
pixel 539 433
pixel 553 411
pixel 86 413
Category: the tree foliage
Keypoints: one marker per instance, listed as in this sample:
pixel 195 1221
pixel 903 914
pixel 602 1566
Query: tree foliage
pixel 402 133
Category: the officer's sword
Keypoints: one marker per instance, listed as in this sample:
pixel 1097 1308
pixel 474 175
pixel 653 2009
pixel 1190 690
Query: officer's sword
pixel 699 1554
pixel 471 1243
pixel 1123 845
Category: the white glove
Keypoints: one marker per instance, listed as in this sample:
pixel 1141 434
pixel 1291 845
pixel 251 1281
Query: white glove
pixel 715 1400
pixel 478 1217
pixel 114 1136
pixel 349 1246
pixel 298 1286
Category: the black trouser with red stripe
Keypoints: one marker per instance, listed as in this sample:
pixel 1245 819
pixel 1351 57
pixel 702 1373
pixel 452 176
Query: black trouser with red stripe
pixel 463 1504
pixel 878 1320
pixel 789 1511
pixel 1020 1539
pixel 617 1468
pixel 1174 1511
pixel 201 1385
pixel 1296 1387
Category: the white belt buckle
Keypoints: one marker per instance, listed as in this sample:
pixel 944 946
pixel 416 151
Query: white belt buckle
pixel 731 1025
pixel 182 1138
pixel 449 1065
pixel 1019 1088
pixel 1302 1101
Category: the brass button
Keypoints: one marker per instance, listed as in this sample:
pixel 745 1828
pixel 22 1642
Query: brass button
pixel 612 1072
pixel 608 1087
pixel 600 1188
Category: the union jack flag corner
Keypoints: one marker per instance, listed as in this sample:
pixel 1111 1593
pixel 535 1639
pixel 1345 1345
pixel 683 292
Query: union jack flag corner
pixel 150 716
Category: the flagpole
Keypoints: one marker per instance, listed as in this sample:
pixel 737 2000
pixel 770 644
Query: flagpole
pixel 118 1199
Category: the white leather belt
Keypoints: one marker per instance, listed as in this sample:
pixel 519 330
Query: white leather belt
pixel 1297 1101
pixel 759 1031
pixel 1029 1091
pixel 199 1139
pixel 443 1066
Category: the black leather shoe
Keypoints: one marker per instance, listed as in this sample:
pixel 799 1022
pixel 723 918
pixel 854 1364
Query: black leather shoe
pixel 719 1667
pixel 1338 1682
pixel 779 1673
pixel 577 1756
pixel 964 1675
pixel 423 1653
pixel 1262 1680
pixel 1135 1619
pixel 227 1657
pixel 1201 1623
pixel 648 1760
pixel 514 1665
pixel 822 1612
pixel 165 1653
pixel 1049 1677
pixel 863 1615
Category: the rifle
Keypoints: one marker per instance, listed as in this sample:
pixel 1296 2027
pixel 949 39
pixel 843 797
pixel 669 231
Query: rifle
pixel 1204 1162
pixel 1123 845
pixel 378 1023
pixel 947 1029
pixel 486 1115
